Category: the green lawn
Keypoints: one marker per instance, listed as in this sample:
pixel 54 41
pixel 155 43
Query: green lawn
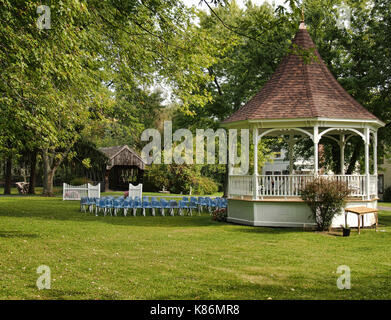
pixel 38 190
pixel 180 257
pixel 384 204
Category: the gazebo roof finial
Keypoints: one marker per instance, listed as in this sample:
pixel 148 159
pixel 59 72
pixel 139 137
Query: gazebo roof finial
pixel 302 24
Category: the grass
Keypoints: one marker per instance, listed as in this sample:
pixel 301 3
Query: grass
pixel 384 204
pixel 38 190
pixel 180 257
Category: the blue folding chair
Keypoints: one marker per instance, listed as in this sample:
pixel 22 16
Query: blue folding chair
pixel 223 202
pixel 99 205
pixel 182 205
pixel 146 205
pixel 83 203
pixel 192 201
pixel 90 204
pixel 117 205
pixel 97 200
pixel 164 204
pixel 211 204
pixel 137 204
pixel 186 199
pixel 155 205
pixel 203 203
pixel 193 205
pixel 108 205
pixel 127 204
pixel 173 205
pixel 217 201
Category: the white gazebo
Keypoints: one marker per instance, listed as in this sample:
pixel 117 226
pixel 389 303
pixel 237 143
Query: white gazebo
pixel 302 99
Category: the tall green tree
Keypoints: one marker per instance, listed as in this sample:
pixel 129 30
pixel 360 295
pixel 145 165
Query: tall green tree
pixel 55 83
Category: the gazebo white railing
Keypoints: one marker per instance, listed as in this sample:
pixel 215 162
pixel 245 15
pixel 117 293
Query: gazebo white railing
pixel 286 186
pixel 259 186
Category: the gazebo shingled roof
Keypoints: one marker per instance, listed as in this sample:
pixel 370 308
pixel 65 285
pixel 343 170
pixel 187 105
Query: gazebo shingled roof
pixel 301 89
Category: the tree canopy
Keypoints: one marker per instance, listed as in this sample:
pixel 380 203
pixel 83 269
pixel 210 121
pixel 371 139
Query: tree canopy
pixel 94 75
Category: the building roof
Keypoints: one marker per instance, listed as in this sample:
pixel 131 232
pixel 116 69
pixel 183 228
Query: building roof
pixel 122 156
pixel 301 89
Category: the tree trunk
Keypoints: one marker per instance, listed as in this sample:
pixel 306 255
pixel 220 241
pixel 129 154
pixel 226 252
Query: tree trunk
pixel 336 155
pixel 33 168
pixel 48 174
pixel 45 161
pixel 49 183
pixel 8 175
pixel 354 158
pixel 50 166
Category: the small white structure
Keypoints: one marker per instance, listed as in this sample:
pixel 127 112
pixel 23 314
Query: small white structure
pixel 135 191
pixel 279 164
pixel 70 192
pixel 302 100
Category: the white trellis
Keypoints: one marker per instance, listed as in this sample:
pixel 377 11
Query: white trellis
pixel 135 191
pixel 70 192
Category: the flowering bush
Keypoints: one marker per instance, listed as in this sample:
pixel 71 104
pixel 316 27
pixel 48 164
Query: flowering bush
pixel 220 215
pixel 326 199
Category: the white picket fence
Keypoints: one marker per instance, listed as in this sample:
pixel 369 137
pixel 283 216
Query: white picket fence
pixel 135 191
pixel 70 192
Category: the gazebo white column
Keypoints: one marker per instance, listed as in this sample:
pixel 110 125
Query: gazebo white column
pixel 255 176
pixel 375 153
pixel 291 143
pixel 367 141
pixel 316 150
pixel 342 148
pixel 375 161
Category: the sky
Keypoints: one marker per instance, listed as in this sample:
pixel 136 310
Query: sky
pixel 240 2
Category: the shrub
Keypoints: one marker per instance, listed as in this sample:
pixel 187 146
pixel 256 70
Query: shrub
pixel 220 215
pixel 326 198
pixel 79 181
pixel 203 185
pixel 178 179
pixel 387 195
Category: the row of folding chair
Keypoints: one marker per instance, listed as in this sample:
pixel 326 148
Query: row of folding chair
pixel 114 205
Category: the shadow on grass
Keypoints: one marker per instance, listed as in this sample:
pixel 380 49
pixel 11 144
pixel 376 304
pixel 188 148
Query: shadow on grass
pixel 57 294
pixel 300 285
pixel 63 294
pixel 17 234
pixel 271 230
pixel 384 220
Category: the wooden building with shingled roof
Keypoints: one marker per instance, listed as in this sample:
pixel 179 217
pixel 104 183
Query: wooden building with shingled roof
pixel 124 166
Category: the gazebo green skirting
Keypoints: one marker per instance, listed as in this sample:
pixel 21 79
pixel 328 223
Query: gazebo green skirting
pixel 302 99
